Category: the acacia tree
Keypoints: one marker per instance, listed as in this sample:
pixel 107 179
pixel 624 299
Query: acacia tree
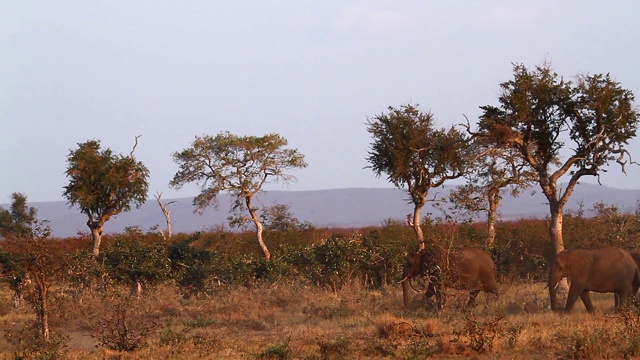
pixel 494 171
pixel 29 264
pixel 279 218
pixel 543 117
pixel 18 220
pixel 104 184
pixel 413 153
pixel 238 165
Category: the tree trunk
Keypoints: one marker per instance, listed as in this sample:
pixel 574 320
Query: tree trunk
pixel 415 225
pixel 42 311
pixel 258 224
pixel 96 235
pixel 555 228
pixel 491 237
pixel 555 232
pixel 494 202
pixel 167 215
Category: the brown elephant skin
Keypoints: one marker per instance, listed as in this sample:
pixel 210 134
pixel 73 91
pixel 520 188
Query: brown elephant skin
pixel 609 269
pixel 465 269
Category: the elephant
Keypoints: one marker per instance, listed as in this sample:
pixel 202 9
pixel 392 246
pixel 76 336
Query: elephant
pixel 609 269
pixel 465 269
pixel 636 257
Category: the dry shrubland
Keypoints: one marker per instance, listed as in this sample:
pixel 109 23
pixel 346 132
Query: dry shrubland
pixel 292 321
pixel 325 294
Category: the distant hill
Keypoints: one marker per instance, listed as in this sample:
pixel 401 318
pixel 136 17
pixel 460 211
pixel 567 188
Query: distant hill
pixel 344 208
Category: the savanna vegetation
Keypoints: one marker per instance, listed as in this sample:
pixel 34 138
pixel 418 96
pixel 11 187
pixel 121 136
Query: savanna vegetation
pixel 324 294
pixel 318 293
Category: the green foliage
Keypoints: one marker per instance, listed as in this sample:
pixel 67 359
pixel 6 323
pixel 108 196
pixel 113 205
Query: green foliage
pixel 102 183
pixel 279 218
pixel 191 267
pixel 248 270
pixel 618 226
pixel 239 165
pixel 134 262
pixel 411 152
pixel 29 345
pixel 543 117
pixel 85 273
pixel 382 258
pixel 19 220
pixel 522 250
pixel 336 260
pixel 278 351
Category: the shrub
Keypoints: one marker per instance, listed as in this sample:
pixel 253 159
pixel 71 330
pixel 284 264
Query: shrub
pixel 278 351
pixel 191 266
pixel 29 344
pixel 136 263
pixel 480 336
pixel 120 321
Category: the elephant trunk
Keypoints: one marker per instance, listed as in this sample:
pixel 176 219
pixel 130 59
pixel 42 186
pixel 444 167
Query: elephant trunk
pixel 406 291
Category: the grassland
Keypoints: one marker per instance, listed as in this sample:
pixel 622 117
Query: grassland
pixel 284 320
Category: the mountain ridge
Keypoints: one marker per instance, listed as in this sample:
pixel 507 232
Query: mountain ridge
pixel 340 208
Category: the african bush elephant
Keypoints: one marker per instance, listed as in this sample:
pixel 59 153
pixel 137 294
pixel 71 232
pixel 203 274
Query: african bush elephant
pixel 636 257
pixel 465 269
pixel 609 269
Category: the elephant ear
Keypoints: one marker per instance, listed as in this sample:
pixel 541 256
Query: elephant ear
pixel 579 263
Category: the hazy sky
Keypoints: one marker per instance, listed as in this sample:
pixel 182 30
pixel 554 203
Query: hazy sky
pixel 312 71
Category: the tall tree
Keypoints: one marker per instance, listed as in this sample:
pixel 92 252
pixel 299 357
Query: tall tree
pixel 413 153
pixel 493 173
pixel 29 264
pixel 18 220
pixel 543 118
pixel 104 184
pixel 238 165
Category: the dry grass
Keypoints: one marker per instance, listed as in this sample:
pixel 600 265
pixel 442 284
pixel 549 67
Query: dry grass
pixel 282 321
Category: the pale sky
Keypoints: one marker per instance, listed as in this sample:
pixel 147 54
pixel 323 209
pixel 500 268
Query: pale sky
pixel 312 71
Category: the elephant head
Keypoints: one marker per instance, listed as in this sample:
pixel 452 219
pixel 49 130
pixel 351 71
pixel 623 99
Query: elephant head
pixel 467 269
pixel 560 268
pixel 416 264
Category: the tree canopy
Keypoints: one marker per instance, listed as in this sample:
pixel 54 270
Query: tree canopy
pixel 412 152
pixel 546 119
pixel 104 184
pixel 19 220
pixel 238 165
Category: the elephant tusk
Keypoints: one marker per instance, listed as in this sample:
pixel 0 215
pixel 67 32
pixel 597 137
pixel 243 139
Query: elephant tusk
pixel 403 280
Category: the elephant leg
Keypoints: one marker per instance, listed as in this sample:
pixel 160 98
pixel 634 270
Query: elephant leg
pixel 472 298
pixel 622 297
pixel 575 291
pixel 431 291
pixel 586 299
